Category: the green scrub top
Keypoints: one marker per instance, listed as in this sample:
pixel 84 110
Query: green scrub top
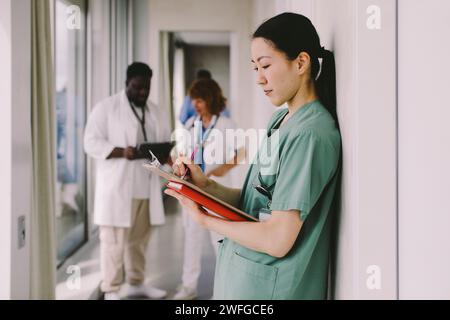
pixel 298 164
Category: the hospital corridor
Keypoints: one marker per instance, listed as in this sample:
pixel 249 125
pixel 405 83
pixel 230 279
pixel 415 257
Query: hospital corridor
pixel 319 130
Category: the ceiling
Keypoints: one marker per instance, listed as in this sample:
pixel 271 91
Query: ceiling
pixel 200 38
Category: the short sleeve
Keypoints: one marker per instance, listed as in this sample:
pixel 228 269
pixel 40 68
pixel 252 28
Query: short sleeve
pixel 307 164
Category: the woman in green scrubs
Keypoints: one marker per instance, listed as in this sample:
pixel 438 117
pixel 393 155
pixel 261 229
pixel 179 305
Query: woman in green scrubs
pixel 292 181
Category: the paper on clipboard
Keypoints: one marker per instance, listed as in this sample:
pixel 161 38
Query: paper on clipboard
pixel 171 177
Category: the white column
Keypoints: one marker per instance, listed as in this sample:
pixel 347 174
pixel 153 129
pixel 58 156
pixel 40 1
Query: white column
pixel 424 149
pixel 6 143
pixel 15 139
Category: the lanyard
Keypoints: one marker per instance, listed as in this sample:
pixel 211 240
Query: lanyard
pixel 141 121
pixel 201 139
pixel 208 130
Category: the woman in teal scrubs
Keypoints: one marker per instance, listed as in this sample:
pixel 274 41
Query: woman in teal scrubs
pixel 284 256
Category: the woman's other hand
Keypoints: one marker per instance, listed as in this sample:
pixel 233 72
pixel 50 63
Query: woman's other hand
pixel 197 213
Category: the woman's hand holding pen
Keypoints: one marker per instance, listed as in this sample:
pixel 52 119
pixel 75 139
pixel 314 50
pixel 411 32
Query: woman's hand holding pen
pixel 184 168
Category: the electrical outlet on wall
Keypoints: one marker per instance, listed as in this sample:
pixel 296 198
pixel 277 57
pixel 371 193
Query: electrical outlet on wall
pixel 21 231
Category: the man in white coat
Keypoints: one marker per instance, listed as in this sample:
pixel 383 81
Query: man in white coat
pixel 128 199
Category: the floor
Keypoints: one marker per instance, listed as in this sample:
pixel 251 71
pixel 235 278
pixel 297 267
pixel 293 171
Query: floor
pixel 70 220
pixel 79 277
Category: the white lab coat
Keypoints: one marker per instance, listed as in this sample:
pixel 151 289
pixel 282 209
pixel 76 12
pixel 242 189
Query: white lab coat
pixel 227 147
pixel 112 124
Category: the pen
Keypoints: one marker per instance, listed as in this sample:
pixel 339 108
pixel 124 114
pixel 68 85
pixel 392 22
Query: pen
pixel 187 169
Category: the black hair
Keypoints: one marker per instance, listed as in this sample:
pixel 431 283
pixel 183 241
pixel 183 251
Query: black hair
pixel 294 33
pixel 210 91
pixel 203 74
pixel 139 69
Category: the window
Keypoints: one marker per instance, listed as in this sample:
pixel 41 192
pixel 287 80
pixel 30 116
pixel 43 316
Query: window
pixel 70 67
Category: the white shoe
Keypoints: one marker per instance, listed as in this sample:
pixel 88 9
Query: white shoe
pixel 142 290
pixel 112 296
pixel 185 293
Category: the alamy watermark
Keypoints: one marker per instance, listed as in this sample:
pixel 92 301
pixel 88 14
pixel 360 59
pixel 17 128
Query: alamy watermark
pixel 373 280
pixel 73 20
pixel 373 21
pixel 73 281
pixel 221 147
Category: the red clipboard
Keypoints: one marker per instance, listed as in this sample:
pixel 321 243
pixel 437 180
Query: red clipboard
pixel 213 205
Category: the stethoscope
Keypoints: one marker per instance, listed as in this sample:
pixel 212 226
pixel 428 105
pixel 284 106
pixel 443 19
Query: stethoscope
pixel 263 190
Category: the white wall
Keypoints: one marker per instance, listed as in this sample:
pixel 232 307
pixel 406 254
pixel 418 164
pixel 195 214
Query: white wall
pixel 216 59
pixel 99 55
pixel 424 152
pixel 6 143
pixel 140 30
pixel 15 136
pixel 366 82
